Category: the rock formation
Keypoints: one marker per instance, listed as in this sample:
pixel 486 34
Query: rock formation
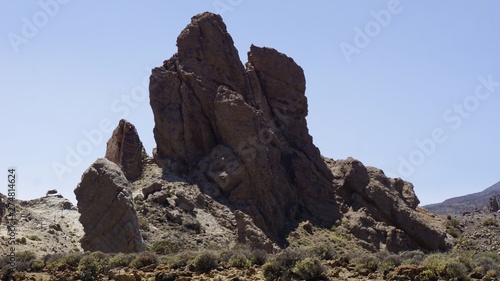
pixel 493 206
pixel 239 133
pixel 107 211
pixel 126 150
pixel 384 208
pixel 240 128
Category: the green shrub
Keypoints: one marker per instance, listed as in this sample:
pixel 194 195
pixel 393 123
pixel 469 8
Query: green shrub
pixel 281 266
pixel 164 247
pixel 143 223
pixel 271 270
pixel 456 270
pixel 492 255
pixel 60 262
pixel 452 222
pixel 239 261
pixel 21 240
pixel 389 263
pixel 366 264
pixel 324 251
pixel 120 260
pixel 37 265
pixel 446 267
pixel 33 238
pixel 428 275
pixel 490 222
pixel 453 227
pixel 412 257
pixel 257 257
pixel 175 261
pixel 454 232
pixel 24 260
pixel 436 263
pixel 93 264
pixel 484 263
pixel 144 259
pixel 309 269
pixel 25 256
pixel 205 262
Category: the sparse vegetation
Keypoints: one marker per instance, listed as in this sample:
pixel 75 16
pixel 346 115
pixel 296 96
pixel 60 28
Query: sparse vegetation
pixel 61 262
pixel 37 265
pixel 239 261
pixel 93 264
pixel 453 227
pixel 33 237
pixel 120 260
pixel 21 240
pixel 490 222
pixel 445 266
pixel 143 223
pixel 164 247
pixel 309 269
pixel 144 259
pixel 257 257
pixel 283 264
pixel 366 264
pixel 205 262
pixel 322 250
pixel 486 265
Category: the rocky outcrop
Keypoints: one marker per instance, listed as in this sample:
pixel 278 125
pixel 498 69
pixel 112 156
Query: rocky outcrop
pixel 493 204
pixel 107 211
pixel 249 234
pixel 239 134
pixel 385 208
pixel 241 130
pixel 125 149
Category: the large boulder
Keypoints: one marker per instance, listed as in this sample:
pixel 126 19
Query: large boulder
pixel 241 128
pixel 125 149
pixel 379 199
pixel 107 210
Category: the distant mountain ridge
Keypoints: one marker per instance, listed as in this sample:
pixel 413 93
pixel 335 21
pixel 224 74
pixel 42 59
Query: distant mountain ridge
pixel 467 202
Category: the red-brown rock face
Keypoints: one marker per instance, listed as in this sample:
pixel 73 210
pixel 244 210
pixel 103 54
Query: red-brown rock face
pixel 241 131
pixel 125 149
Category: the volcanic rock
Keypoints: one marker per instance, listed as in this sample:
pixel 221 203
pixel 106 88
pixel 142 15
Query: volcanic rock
pixel 380 199
pixel 493 204
pixel 125 149
pixel 107 210
pixel 242 129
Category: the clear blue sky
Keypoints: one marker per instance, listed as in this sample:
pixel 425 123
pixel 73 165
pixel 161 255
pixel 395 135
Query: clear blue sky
pixel 395 84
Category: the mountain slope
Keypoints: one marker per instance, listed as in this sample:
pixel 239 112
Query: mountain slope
pixel 467 202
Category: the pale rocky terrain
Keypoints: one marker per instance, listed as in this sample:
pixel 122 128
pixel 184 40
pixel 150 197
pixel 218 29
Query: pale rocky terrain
pixel 47 225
